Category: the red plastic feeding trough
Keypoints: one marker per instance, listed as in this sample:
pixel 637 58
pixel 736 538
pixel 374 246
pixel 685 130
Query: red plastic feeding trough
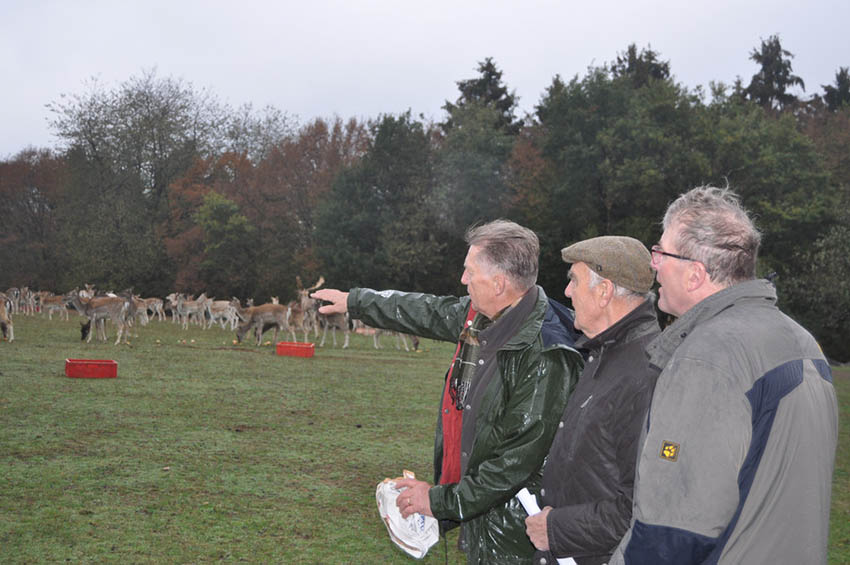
pixel 91 368
pixel 295 349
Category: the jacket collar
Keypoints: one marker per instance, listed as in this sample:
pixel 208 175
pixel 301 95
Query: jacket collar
pixel 529 328
pixel 661 349
pixel 640 321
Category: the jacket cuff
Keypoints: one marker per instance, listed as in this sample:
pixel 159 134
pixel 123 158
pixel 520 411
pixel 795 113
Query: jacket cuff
pixel 435 498
pixel 555 533
pixel 353 303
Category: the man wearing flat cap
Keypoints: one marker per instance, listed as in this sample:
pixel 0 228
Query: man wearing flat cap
pixel 589 473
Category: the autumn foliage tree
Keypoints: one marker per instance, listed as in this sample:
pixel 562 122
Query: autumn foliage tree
pixel 31 192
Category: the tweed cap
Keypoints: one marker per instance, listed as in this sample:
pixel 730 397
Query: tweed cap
pixel 623 260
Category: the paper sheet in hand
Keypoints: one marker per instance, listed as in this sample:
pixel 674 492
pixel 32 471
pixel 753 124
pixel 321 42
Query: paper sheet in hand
pixel 529 502
pixel 415 534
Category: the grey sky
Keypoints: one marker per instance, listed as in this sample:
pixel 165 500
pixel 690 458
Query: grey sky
pixel 321 58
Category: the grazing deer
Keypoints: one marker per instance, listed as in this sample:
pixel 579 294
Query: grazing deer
pixel 97 310
pixel 261 318
pixel 6 327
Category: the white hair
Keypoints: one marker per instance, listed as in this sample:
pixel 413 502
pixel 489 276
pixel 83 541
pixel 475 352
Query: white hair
pixel 619 291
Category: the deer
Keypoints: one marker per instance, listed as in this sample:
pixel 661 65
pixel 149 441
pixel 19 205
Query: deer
pixel 223 312
pixel 309 306
pixel 88 293
pixel 188 308
pixel 261 318
pixel 6 326
pixel 27 301
pixel 51 303
pixel 400 338
pixel 171 304
pixel 242 313
pixel 13 295
pixel 99 309
pixel 141 310
pixel 334 321
pixel 296 319
pixel 155 308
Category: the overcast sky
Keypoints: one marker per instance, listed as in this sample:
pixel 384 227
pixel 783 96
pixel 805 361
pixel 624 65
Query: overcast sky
pixel 320 58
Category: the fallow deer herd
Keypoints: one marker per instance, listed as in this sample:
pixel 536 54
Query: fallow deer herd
pixel 124 310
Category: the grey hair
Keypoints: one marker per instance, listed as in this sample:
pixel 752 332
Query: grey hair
pixel 619 291
pixel 717 231
pixel 510 248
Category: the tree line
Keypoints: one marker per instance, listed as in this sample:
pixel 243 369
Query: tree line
pixel 159 186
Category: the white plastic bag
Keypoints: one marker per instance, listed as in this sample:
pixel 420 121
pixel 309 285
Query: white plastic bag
pixel 416 534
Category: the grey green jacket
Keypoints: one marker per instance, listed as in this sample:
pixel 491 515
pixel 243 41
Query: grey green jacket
pixel 513 424
pixel 736 463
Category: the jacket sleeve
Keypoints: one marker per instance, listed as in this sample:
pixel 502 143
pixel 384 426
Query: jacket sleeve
pixel 425 315
pixel 519 438
pixel 596 527
pixel 699 432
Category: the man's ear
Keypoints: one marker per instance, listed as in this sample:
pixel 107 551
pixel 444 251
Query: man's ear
pixel 697 276
pixel 605 292
pixel 499 283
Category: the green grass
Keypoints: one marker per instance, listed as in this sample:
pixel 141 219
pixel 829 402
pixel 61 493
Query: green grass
pixel 839 520
pixel 203 452
pixel 206 451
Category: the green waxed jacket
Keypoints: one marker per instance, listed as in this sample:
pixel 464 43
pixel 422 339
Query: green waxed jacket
pixel 514 423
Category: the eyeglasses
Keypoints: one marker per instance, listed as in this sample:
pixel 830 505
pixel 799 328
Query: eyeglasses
pixel 656 250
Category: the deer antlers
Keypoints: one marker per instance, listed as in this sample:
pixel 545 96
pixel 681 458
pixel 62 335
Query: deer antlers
pixel 319 283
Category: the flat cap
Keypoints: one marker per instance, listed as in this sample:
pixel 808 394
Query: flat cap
pixel 623 260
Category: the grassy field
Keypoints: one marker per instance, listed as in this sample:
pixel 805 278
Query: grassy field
pixel 206 451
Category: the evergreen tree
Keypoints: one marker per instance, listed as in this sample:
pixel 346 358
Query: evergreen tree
pixel 640 67
pixel 376 228
pixel 486 90
pixel 838 95
pixel 618 153
pixel 769 87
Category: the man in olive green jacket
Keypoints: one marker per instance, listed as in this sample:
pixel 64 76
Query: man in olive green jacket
pixel 505 391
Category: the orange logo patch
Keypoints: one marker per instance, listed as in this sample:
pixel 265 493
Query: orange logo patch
pixel 669 450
